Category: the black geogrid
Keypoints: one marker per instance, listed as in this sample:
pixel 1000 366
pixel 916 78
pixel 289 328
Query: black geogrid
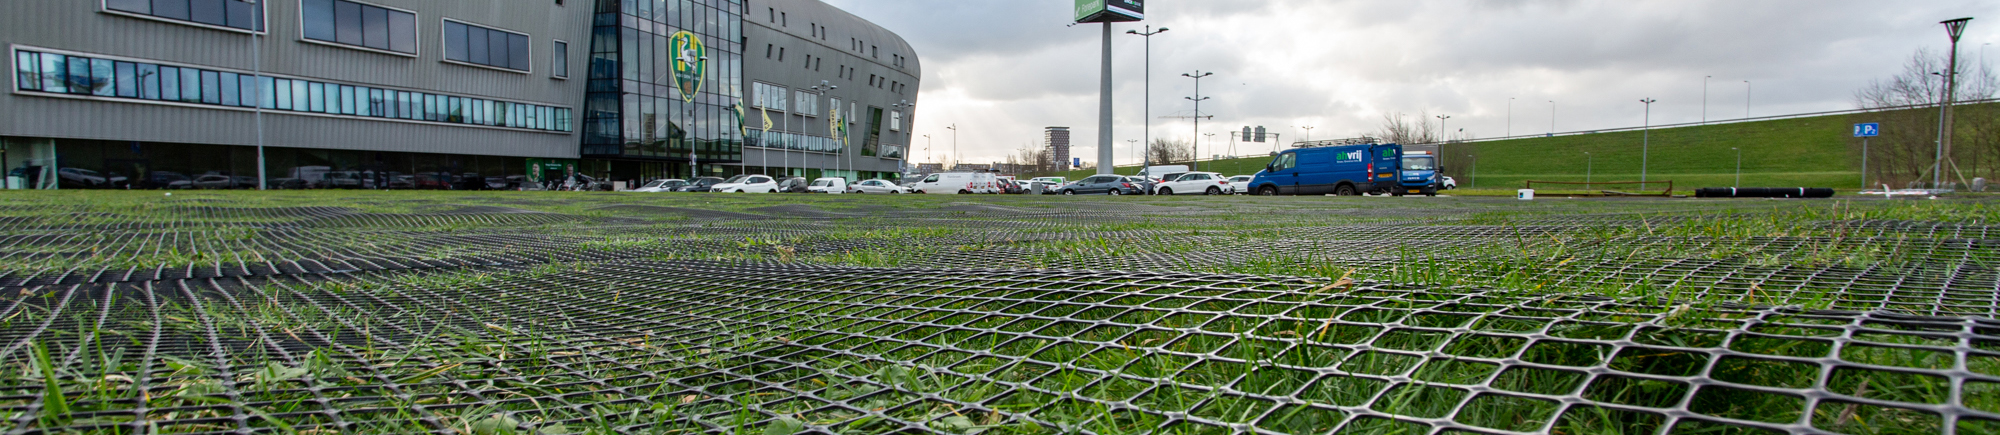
pixel 366 288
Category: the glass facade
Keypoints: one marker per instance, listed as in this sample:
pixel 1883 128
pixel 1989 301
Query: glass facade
pixel 361 25
pixel 638 109
pixel 483 46
pixel 100 164
pixel 78 75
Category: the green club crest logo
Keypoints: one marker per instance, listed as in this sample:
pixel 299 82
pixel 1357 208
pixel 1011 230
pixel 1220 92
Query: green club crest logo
pixel 690 63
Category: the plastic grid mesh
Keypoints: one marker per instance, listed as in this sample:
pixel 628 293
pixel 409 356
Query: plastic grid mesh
pixel 462 320
pixel 879 350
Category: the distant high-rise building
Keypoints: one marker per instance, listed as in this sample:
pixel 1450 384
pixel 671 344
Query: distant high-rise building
pixel 1058 142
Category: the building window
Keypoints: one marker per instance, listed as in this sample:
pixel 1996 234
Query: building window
pixel 781 54
pixel 561 54
pixel 360 25
pixel 896 120
pixel 236 14
pixel 49 73
pixel 808 103
pixel 769 49
pixel 768 96
pixel 485 46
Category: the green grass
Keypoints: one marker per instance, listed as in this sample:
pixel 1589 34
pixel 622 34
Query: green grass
pixel 1340 306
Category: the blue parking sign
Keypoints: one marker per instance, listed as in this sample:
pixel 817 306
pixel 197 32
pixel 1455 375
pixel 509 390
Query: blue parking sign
pixel 1872 129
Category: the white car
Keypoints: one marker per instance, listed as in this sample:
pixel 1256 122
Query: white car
pixel 1196 183
pixel 1450 183
pixel 1237 183
pixel 875 186
pixel 833 185
pixel 667 185
pixel 748 184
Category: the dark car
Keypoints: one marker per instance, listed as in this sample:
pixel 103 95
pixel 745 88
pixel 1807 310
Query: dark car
pixel 1146 186
pixel 1011 187
pixel 793 184
pixel 1104 184
pixel 167 180
pixel 469 181
pixel 703 184
pixel 433 181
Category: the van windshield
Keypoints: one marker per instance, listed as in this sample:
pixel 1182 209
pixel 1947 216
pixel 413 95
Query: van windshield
pixel 1420 163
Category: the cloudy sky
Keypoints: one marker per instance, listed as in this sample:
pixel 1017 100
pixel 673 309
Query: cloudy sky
pixel 1001 70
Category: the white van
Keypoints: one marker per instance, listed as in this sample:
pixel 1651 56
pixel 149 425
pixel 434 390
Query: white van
pixel 1155 172
pixel 954 183
pixel 833 185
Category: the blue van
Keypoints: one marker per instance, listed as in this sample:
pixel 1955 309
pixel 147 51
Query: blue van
pixel 1346 170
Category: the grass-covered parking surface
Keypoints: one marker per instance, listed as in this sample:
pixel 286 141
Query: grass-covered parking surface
pixel 370 312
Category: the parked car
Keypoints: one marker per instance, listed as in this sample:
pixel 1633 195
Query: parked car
pixel 793 185
pixel 1145 185
pixel 667 185
pixel 1196 183
pixel 1102 184
pixel 168 180
pixel 217 181
pixel 502 183
pixel 1450 183
pixel 1240 184
pixel 748 184
pixel 875 186
pixel 703 184
pixel 85 178
pixel 833 185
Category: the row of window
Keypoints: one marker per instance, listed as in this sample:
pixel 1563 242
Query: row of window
pixel 491 47
pixel 360 25
pixel 60 74
pixel 239 14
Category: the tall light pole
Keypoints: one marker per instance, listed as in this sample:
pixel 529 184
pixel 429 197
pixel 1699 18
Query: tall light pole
pixel 1646 142
pixel 1442 130
pixel 824 88
pixel 954 147
pixel 1586 167
pixel 1747 92
pixel 1211 146
pixel 1197 99
pixel 1309 131
pixel 1739 167
pixel 1146 158
pixel 1552 118
pixel 1135 145
pixel 1704 99
pixel 927 149
pixel 1955 28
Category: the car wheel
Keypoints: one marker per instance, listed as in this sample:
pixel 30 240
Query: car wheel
pixel 774 191
pixel 1345 190
pixel 1267 191
pixel 964 192
pixel 1116 192
pixel 892 192
pixel 1215 191
pixel 1069 192
pixel 1167 191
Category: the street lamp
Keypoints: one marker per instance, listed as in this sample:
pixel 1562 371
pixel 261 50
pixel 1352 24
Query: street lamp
pixel 1135 145
pixel 1646 141
pixel 1739 167
pixel 1211 146
pixel 1442 130
pixel 1954 28
pixel 823 88
pixel 954 147
pixel 1704 99
pixel 927 149
pixel 1146 159
pixel 1747 92
pixel 1197 99
pixel 1586 167
pixel 1309 132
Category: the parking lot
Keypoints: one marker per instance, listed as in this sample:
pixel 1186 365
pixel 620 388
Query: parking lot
pixel 547 312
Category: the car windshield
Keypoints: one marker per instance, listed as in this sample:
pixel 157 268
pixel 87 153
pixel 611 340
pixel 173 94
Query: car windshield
pixel 655 183
pixel 737 179
pixel 1423 163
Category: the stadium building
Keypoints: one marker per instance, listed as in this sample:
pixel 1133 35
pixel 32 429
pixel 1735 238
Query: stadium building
pixel 445 95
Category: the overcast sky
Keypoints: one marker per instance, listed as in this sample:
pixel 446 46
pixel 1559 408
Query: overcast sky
pixel 1001 70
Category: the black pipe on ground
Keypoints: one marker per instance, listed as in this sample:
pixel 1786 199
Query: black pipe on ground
pixel 1763 192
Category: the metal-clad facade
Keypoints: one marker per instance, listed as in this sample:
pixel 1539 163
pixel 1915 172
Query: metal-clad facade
pixel 790 24
pixel 84 27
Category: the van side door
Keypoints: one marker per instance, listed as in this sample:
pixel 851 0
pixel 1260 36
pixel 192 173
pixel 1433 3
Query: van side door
pixel 1320 171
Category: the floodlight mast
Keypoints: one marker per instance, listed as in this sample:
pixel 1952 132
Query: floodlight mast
pixel 1146 157
pixel 1197 99
pixel 1955 29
